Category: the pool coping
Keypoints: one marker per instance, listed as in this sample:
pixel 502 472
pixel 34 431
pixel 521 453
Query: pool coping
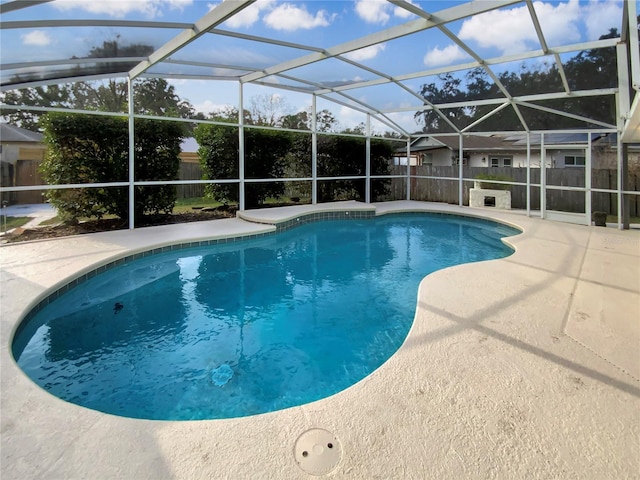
pixel 381 421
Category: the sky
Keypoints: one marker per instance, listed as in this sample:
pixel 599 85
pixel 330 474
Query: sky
pixel 324 24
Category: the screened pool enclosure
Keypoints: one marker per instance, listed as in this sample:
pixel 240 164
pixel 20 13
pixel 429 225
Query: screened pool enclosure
pixel 314 102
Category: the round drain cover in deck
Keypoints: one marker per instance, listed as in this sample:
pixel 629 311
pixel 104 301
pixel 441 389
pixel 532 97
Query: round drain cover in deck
pixel 317 451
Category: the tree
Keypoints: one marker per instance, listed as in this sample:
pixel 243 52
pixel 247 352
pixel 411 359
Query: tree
pixel 346 156
pixel 595 68
pixel 265 152
pixel 591 69
pixel 152 96
pixel 268 110
pixel 448 92
pixel 57 96
pixel 297 121
pixel 278 154
pixel 91 149
pixel 325 121
pixel 155 96
pixel 157 157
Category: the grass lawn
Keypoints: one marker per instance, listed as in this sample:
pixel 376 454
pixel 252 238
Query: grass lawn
pixel 190 204
pixel 12 222
pixel 182 206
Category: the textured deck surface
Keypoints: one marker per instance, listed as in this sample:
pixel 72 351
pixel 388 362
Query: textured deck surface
pixel 524 367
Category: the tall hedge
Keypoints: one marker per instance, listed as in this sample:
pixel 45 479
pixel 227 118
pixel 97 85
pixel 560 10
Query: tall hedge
pixel 265 152
pixel 269 153
pixel 95 149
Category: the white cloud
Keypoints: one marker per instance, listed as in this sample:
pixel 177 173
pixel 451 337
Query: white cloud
pixel 511 30
pixel 507 30
pixel 350 118
pixel 405 119
pixel 444 56
pixel 36 37
pixel 178 4
pixel 599 17
pixel 379 11
pixel 208 107
pixel 121 8
pixel 366 53
pixel 559 23
pixel 373 11
pixel 290 17
pixel 401 12
pixel 236 56
pixel 247 16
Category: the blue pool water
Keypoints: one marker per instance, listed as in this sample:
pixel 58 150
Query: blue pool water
pixel 249 326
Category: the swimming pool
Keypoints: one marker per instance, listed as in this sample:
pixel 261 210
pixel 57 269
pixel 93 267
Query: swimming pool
pixel 249 326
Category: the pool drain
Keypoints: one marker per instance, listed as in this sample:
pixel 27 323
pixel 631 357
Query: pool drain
pixel 317 451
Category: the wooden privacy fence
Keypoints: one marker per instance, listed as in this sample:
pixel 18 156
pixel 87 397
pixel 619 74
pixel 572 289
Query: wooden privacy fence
pixel 438 190
pixel 27 173
pixel 432 190
pixel 190 171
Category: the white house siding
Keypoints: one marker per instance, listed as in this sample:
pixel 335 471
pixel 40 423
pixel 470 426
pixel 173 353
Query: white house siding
pixel 441 157
pixel 475 159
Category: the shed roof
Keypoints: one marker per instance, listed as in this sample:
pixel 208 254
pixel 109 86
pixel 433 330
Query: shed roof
pixel 13 134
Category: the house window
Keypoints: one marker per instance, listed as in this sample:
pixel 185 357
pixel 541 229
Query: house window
pixel 500 161
pixel 573 161
pixel 427 159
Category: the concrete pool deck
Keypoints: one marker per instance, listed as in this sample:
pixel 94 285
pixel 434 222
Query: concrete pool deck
pixel 523 367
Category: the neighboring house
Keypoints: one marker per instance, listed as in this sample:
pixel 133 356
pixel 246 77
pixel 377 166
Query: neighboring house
pixel 556 155
pixel 21 152
pixel 478 151
pixel 511 151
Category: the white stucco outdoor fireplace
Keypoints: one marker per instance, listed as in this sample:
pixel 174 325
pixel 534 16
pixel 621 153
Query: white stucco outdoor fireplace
pixel 486 197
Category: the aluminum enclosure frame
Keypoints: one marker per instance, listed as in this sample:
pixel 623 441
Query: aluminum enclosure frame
pixel 626 95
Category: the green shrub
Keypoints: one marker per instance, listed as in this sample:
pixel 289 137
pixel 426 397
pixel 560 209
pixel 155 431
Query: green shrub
pixel 265 153
pixel 95 149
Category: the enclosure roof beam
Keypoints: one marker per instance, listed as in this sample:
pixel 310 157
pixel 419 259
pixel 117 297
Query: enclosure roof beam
pixel 566 114
pixel 455 39
pixel 631 131
pixel 631 128
pixel 19 4
pixel 69 61
pixel 91 23
pixel 534 98
pixel 389 79
pixel 632 42
pixel 258 39
pixel 219 14
pixel 491 61
pixel 226 66
pixel 359 105
pixel 449 15
pixel 483 118
pixel 59 80
pixel 545 47
pixel 523 98
pixel 577 47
